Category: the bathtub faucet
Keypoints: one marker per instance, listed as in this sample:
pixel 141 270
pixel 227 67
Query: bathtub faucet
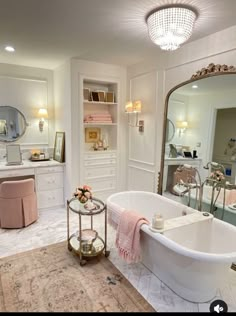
pixel 216 186
pixel 197 184
pixel 215 165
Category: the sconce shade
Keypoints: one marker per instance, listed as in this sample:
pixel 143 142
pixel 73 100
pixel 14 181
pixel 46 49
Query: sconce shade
pixel 181 124
pixel 137 106
pixel 43 113
pixel 169 27
pixel 129 107
pixel 133 107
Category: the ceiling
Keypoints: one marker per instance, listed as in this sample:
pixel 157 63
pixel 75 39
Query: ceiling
pixel 47 32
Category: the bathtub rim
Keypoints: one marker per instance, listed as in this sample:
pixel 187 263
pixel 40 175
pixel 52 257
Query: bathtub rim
pixel 172 245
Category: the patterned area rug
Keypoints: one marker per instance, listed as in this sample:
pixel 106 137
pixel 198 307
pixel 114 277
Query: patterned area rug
pixel 50 279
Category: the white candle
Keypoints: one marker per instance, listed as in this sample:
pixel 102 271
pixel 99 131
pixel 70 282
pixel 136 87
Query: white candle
pixel 158 222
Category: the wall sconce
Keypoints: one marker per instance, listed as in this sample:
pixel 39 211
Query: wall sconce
pixel 135 108
pixel 182 126
pixel 43 113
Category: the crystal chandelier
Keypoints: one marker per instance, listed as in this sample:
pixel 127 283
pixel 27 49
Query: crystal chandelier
pixel 169 27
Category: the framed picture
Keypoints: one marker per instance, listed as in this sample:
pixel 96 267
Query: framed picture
pixel 92 135
pixel 110 97
pixel 13 155
pixel 86 94
pixel 59 147
pixel 101 96
pixel 94 96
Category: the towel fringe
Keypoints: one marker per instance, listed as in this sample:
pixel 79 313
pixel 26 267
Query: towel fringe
pixel 128 256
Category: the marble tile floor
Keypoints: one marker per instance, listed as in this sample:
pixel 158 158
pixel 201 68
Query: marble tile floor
pixel 51 228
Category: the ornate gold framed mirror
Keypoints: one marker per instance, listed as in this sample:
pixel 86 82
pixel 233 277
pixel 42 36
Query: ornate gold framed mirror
pixel 194 106
pixel 203 110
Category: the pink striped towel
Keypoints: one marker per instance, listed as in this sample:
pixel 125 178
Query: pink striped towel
pixel 128 236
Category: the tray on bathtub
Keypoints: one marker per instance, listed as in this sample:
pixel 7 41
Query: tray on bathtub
pixel 182 221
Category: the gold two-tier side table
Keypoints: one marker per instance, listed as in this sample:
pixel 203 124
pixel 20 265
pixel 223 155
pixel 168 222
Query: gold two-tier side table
pixel 87 242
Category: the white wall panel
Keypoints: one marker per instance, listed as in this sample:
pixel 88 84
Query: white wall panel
pixel 141 179
pixel 29 89
pixel 27 96
pixel 141 144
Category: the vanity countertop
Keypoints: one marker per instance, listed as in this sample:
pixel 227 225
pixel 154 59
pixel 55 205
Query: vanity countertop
pixel 182 158
pixel 29 164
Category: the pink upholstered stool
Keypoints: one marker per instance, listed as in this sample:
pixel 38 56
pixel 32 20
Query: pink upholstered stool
pixel 18 203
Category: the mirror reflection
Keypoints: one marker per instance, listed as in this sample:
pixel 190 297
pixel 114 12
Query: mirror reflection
pixel 12 124
pixel 170 130
pixel 202 173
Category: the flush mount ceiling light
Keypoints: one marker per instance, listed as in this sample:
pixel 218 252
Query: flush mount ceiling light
pixel 10 49
pixel 169 27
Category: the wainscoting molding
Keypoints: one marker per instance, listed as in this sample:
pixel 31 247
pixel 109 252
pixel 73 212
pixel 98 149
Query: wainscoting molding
pixel 141 179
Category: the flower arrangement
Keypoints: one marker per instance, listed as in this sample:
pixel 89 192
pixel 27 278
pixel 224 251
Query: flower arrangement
pixel 217 176
pixel 83 193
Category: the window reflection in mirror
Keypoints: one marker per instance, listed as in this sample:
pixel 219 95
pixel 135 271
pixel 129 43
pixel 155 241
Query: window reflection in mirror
pixel 170 130
pixel 12 124
pixel 210 110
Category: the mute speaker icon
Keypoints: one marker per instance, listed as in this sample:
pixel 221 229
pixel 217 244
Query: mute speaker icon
pixel 218 309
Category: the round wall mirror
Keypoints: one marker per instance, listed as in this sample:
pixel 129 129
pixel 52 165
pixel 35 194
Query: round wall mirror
pixel 12 124
pixel 170 130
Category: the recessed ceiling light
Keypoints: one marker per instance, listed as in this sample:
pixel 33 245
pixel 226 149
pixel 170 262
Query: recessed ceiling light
pixel 10 49
pixel 194 86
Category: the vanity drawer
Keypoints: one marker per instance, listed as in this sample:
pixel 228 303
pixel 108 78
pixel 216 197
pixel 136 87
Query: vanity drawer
pixel 100 155
pixel 94 172
pixel 49 181
pixel 43 170
pixel 46 199
pixel 16 173
pixel 99 162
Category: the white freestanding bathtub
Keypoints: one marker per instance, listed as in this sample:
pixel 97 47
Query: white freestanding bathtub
pixel 193 260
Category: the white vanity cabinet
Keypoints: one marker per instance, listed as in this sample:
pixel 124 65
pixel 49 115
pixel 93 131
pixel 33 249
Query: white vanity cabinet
pixel 49 180
pixel 50 188
pixel 100 172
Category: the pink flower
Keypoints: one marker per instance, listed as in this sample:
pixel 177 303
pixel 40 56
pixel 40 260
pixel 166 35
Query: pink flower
pixel 83 193
pixel 217 175
pixel 86 187
pixel 87 194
